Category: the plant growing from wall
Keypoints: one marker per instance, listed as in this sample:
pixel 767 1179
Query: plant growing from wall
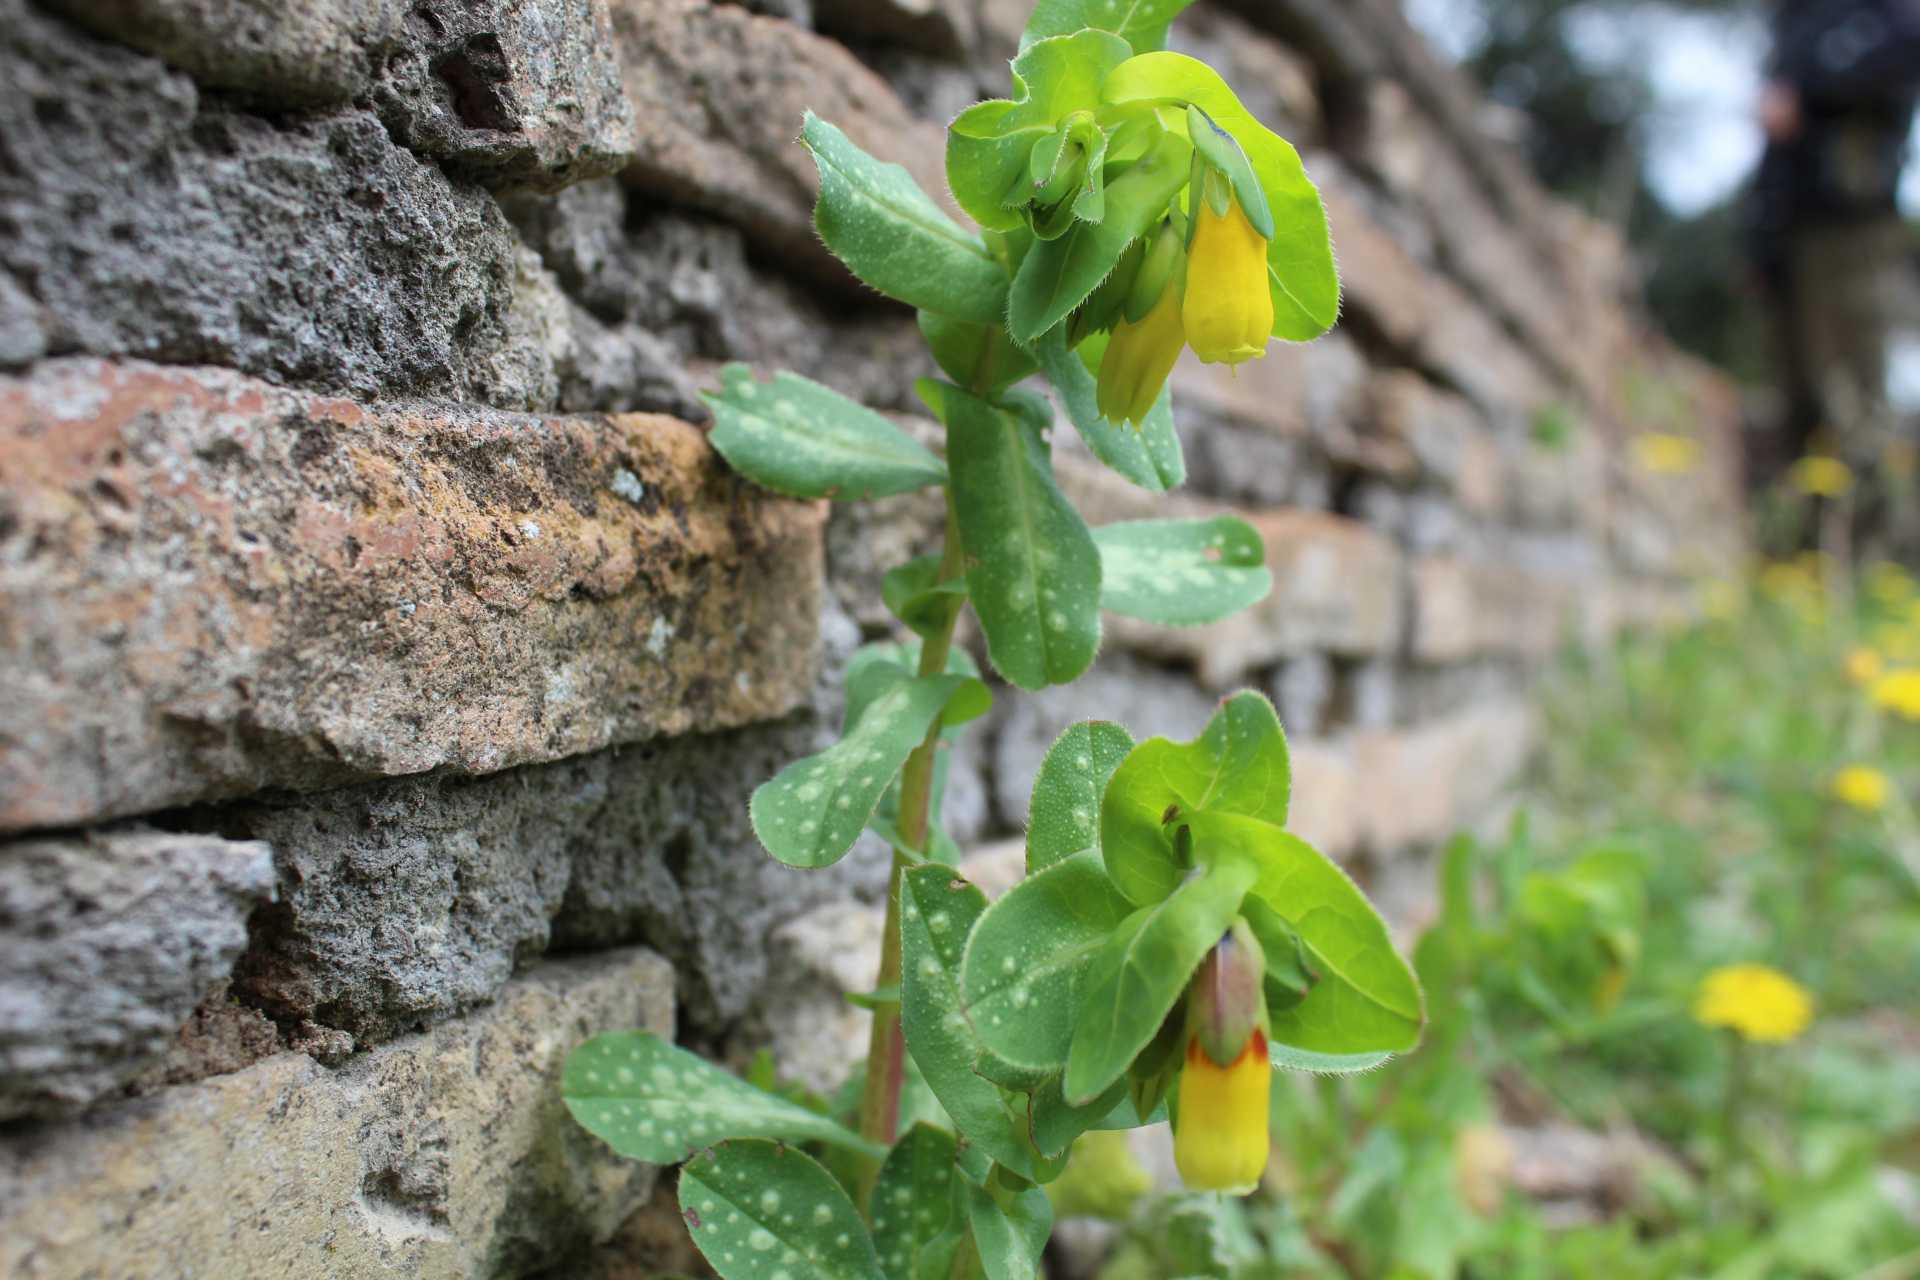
pixel 1171 943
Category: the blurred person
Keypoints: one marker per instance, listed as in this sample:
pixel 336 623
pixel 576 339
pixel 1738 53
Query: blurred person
pixel 1826 237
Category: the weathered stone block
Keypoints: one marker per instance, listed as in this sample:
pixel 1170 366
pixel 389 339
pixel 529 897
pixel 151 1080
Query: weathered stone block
pixel 506 92
pixel 209 585
pixel 719 94
pixel 140 220
pixel 106 945
pixel 1440 775
pixel 1445 434
pixel 444 1155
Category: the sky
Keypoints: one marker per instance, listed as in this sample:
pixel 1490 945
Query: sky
pixel 1705 71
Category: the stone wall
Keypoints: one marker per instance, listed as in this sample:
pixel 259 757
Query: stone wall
pixel 387 659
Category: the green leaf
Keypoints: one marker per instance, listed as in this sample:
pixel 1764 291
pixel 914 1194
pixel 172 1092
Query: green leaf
pixel 1027 960
pixel 990 145
pixel 812 812
pixel 796 437
pixel 1366 999
pixel 1010 1239
pixel 1237 765
pixel 975 354
pixel 1301 273
pixel 1143 971
pixel 879 222
pixel 937 914
pixel 1288 1058
pixel 1033 572
pixel 1054 1122
pixel 651 1101
pixel 1141 23
pixel 1057 275
pixel 915 595
pixel 757 1209
pixel 1149 456
pixel 1063 815
pixel 1181 572
pixel 1224 154
pixel 918 1213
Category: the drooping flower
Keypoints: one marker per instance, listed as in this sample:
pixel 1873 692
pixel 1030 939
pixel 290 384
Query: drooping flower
pixel 1220 1140
pixel 1138 359
pixel 1220 1118
pixel 1862 786
pixel 1228 310
pixel 1760 1003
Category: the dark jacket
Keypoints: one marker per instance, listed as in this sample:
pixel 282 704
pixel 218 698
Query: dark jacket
pixel 1856 67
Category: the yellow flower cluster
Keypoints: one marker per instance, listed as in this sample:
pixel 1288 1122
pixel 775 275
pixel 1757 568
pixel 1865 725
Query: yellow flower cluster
pixel 1224 311
pixel 1760 1003
pixel 1863 787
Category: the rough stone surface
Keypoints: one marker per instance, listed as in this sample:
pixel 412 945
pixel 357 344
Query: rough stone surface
pixel 730 150
pixel 208 585
pixel 139 220
pixel 106 945
pixel 405 902
pixel 506 92
pixel 1440 775
pixel 444 1155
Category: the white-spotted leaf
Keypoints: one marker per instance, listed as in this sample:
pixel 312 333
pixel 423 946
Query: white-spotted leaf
pixel 1027 961
pixel 1010 1239
pixel 1063 815
pixel 937 914
pixel 651 1101
pixel 1181 572
pixel 919 1213
pixel 1033 572
pixel 758 1210
pixel 796 437
pixel 810 814
pixel 891 234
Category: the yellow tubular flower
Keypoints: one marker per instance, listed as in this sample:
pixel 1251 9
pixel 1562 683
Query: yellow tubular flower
pixel 1220 1133
pixel 1138 359
pixel 1228 311
pixel 1761 1004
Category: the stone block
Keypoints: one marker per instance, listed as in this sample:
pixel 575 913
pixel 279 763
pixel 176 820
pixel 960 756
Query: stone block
pixel 1446 435
pixel 107 943
pixel 144 221
pixel 505 92
pixel 209 585
pixel 719 94
pixel 1336 587
pixel 1439 776
pixel 1324 808
pixel 448 1154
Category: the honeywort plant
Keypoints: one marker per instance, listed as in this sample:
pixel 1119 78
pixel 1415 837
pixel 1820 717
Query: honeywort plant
pixel 1171 943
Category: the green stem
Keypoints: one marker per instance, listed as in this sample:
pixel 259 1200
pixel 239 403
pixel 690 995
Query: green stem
pixel 886 1048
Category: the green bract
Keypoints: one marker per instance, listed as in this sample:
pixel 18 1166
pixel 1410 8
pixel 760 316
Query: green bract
pixel 1004 1031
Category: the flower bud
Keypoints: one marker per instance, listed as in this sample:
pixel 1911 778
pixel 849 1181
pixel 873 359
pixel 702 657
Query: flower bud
pixel 1138 359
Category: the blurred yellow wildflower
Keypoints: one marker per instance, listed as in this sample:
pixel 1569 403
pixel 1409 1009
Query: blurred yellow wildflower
pixel 1898 691
pixel 1888 583
pixel 1862 786
pixel 1137 361
pixel 1821 476
pixel 1760 1003
pixel 1722 600
pixel 1864 666
pixel 1665 454
pixel 1482 1167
